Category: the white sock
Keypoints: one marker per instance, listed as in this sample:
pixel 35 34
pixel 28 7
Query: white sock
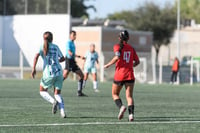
pixel 47 97
pixel 84 83
pixel 60 101
pixel 95 84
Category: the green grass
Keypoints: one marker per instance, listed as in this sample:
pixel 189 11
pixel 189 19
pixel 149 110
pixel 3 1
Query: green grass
pixel 20 103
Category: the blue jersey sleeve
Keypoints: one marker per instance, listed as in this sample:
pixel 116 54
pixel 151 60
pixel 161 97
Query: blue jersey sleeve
pixel 59 53
pixel 67 47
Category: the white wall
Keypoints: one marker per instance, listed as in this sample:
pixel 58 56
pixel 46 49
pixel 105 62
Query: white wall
pixel 26 33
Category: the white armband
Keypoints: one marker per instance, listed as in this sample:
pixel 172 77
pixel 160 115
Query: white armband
pixel 117 53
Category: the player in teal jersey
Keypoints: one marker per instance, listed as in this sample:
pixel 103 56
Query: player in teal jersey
pixel 91 58
pixel 52 72
pixel 70 63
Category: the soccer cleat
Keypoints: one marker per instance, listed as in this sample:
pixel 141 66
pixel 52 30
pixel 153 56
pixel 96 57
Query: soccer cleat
pixel 54 108
pixel 121 112
pixel 63 115
pixel 131 117
pixel 80 94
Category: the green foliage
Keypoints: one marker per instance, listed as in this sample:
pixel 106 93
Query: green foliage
pixel 150 17
pixel 78 9
pixel 190 9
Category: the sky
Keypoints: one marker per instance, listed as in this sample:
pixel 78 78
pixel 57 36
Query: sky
pixel 106 7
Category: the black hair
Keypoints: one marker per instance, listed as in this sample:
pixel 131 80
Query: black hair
pixel 48 38
pixel 73 31
pixel 124 36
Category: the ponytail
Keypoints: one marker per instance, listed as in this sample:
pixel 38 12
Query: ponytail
pixel 46 47
pixel 48 37
pixel 121 44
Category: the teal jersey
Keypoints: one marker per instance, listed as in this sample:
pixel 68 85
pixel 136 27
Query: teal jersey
pixel 70 46
pixel 91 58
pixel 51 65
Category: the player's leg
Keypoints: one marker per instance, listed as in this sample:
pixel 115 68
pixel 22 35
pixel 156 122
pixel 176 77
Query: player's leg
pixel 57 94
pixel 116 88
pixel 45 95
pixel 80 82
pixel 67 68
pixel 46 83
pixel 175 76
pixel 95 83
pixel 85 79
pixel 172 77
pixel 129 97
pixel 65 74
pixel 86 73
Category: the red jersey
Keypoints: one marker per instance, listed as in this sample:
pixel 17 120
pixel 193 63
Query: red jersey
pixel 124 66
pixel 175 66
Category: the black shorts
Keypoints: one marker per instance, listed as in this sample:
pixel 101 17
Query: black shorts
pixel 70 65
pixel 121 83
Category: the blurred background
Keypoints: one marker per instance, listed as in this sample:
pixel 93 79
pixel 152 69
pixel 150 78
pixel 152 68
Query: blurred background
pixel 160 30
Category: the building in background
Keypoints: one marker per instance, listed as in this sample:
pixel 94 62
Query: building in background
pixel 103 33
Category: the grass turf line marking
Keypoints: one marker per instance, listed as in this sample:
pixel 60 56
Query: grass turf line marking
pixel 102 123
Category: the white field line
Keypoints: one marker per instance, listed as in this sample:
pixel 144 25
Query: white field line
pixel 103 123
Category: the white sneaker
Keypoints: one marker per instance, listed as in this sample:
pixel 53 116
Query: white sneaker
pixel 54 107
pixel 63 115
pixel 131 117
pixel 121 112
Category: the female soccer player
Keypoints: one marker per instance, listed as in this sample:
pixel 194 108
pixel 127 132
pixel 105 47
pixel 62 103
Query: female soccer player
pixel 70 63
pixel 89 66
pixel 52 72
pixel 125 59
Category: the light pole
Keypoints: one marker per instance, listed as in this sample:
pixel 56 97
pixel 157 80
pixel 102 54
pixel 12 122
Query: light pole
pixel 47 6
pixel 4 7
pixel 178 35
pixel 178 29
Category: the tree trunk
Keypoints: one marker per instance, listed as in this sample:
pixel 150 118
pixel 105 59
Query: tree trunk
pixel 157 49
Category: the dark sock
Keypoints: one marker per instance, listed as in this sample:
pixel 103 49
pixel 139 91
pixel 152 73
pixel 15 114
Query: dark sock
pixel 131 109
pixel 80 85
pixel 118 102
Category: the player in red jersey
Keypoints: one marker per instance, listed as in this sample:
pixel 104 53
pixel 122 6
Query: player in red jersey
pixel 125 59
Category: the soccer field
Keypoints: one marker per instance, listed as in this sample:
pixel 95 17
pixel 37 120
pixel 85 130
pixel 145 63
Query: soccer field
pixel 158 109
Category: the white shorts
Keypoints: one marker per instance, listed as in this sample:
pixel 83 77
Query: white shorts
pixel 90 70
pixel 56 82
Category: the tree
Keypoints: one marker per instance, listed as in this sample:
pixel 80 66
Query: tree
pixel 190 9
pixel 150 17
pixel 78 9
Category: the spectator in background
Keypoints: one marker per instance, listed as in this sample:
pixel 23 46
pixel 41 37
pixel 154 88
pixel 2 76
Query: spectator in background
pixel 175 69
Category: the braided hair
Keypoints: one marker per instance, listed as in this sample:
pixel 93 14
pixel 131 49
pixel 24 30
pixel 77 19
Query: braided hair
pixel 48 37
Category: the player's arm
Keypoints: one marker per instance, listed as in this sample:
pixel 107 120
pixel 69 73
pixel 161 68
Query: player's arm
pixel 34 65
pixel 62 59
pixel 79 56
pixel 136 63
pixel 115 58
pixel 113 61
pixel 97 61
pixel 70 53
